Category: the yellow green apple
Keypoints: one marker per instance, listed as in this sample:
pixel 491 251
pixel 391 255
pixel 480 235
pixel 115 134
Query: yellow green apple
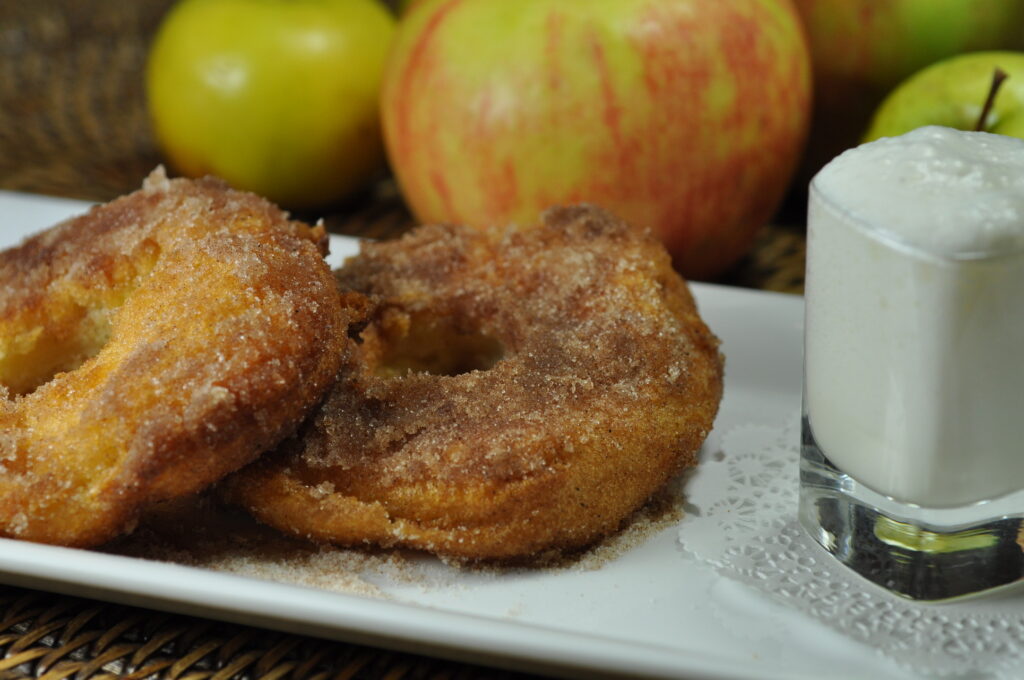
pixel 406 5
pixel 953 93
pixel 684 116
pixel 275 96
pixel 862 48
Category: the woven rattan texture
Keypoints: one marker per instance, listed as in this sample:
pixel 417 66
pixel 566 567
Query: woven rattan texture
pixel 52 637
pixel 71 96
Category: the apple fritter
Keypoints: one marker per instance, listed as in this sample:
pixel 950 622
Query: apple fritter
pixel 512 396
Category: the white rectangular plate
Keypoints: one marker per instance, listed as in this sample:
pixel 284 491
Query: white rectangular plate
pixel 653 611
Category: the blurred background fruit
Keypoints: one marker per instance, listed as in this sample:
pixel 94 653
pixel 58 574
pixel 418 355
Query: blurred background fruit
pixel 687 116
pixel 275 96
pixel 861 49
pixel 404 6
pixel 953 93
pixel 73 122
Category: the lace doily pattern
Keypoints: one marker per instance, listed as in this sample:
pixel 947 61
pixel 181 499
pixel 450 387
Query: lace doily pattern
pixel 743 523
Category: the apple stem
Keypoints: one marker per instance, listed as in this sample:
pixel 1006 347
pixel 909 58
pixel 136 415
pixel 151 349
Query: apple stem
pixel 998 76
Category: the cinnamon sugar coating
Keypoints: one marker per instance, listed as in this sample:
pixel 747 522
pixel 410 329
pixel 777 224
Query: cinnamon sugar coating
pixel 151 346
pixel 513 395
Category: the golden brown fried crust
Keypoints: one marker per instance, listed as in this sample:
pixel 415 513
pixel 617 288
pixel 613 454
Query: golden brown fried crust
pixel 189 327
pixel 608 385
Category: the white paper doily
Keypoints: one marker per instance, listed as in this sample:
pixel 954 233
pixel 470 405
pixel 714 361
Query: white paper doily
pixel 743 522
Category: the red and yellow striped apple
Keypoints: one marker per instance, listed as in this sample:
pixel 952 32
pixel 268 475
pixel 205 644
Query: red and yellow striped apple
pixel 685 116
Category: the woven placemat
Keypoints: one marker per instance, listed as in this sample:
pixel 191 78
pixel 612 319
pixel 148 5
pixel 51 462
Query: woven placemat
pixel 54 637
pixel 73 124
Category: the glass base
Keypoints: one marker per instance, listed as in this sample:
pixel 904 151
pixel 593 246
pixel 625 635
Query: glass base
pixel 918 553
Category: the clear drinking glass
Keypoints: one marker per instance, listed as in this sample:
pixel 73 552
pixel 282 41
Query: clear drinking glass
pixel 912 458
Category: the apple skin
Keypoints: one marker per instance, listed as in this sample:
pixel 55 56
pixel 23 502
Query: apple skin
pixel 274 96
pixel 684 116
pixel 407 6
pixel 861 49
pixel 952 93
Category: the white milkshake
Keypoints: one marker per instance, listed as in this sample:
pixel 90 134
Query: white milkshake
pixel 914 352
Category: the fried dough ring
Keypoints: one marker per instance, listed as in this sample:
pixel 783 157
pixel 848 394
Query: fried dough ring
pixel 152 346
pixel 607 386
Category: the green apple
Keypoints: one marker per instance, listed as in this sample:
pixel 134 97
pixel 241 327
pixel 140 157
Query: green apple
pixel 952 93
pixel 683 116
pixel 861 49
pixel 406 5
pixel 274 96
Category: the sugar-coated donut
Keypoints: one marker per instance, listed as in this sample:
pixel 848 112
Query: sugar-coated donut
pixel 512 396
pixel 151 346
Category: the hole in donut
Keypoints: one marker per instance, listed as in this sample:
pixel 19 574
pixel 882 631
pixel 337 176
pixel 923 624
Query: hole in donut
pixel 36 354
pixel 428 344
pixel 72 325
